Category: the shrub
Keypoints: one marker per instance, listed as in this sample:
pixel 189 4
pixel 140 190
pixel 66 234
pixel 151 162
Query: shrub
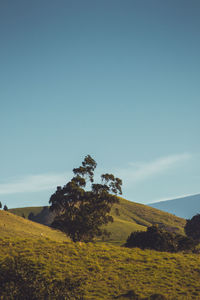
pixel 157 297
pixel 133 296
pixel 5 207
pixel 160 240
pixel 192 227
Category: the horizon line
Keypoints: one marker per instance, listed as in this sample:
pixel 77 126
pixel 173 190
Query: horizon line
pixel 174 198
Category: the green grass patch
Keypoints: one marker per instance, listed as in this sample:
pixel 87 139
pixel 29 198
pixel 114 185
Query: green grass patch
pixel 100 271
pixel 50 266
pixel 14 226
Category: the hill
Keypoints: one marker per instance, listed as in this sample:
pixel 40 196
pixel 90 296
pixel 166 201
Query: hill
pixel 13 226
pixel 132 216
pixel 185 207
pixel 49 266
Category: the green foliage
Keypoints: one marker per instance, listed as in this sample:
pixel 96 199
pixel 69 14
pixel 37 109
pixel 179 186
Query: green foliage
pixel 0 205
pixel 81 211
pixel 192 227
pixel 5 207
pixel 52 269
pixel 160 240
pixel 134 296
pixel 94 270
pixel 44 216
pixel 31 216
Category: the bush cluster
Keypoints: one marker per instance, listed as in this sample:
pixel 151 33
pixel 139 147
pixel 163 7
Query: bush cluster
pixel 160 240
pixel 5 206
pixel 133 296
pixel 192 227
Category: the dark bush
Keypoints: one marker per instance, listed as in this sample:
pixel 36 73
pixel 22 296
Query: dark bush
pixel 160 240
pixel 133 296
pixel 5 207
pixel 31 216
pixel 192 227
pixel 157 297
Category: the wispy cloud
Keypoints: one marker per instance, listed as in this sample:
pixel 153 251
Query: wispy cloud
pixel 34 183
pixel 134 173
pixel 140 171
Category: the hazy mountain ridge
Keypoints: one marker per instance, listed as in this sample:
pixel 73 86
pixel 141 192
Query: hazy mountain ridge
pixel 184 207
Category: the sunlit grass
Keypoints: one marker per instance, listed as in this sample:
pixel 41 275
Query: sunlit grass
pixel 104 271
pixel 107 270
pixel 14 226
pixel 133 216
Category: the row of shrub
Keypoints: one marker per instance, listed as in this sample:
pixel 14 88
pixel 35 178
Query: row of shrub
pixel 160 240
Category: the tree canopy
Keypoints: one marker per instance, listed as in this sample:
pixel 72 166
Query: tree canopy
pixel 5 207
pixel 192 227
pixel 160 240
pixel 82 206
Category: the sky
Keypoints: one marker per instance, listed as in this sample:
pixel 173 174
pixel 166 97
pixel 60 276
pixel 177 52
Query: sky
pixel 119 80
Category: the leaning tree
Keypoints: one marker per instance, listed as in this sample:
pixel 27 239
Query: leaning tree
pixel 82 206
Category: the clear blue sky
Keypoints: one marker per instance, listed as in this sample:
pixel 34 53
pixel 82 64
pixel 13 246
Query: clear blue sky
pixel 119 80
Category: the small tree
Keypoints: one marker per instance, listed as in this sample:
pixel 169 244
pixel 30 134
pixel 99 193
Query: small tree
pixel 5 207
pixel 192 227
pixel 0 204
pixel 80 212
pixel 31 216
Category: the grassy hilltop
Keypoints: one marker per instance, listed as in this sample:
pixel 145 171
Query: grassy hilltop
pixel 40 262
pixel 132 216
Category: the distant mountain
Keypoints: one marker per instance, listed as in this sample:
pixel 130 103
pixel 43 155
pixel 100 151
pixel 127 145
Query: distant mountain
pixel 185 207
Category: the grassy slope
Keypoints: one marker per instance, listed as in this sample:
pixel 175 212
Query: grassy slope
pixel 105 271
pixel 14 226
pixel 26 210
pixel 133 216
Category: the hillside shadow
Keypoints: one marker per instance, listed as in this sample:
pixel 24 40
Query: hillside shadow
pixel 44 217
pixel 133 296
